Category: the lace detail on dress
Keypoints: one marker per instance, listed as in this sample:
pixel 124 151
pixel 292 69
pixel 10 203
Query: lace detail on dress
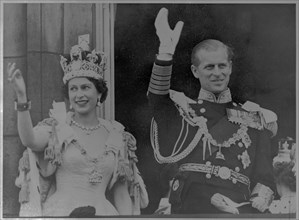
pixel 59 154
pixel 53 151
pixel 47 122
pixel 22 180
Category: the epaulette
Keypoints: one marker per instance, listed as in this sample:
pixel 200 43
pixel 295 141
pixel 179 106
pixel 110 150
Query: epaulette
pixel 254 116
pixel 180 99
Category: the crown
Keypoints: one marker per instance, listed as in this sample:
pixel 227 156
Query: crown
pixel 83 63
pixel 285 146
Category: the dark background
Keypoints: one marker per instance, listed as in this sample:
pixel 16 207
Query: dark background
pixel 264 67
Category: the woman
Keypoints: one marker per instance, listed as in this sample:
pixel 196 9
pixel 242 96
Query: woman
pixel 85 155
pixel 285 179
pixel 286 189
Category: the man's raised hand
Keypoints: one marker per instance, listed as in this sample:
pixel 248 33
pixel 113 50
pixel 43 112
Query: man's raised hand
pixel 168 37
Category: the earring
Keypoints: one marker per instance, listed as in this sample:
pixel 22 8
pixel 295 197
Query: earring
pixel 99 102
pixel 71 107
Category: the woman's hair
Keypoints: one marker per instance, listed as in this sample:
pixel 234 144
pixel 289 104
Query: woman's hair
pixel 283 174
pixel 100 85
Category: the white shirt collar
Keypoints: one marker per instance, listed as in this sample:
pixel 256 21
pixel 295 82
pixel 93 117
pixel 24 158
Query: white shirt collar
pixel 224 97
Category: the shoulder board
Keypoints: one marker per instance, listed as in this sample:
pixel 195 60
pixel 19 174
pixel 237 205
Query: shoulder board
pixel 180 99
pixel 252 115
pixel 268 115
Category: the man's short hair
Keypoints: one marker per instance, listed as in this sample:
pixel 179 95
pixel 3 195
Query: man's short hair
pixel 210 45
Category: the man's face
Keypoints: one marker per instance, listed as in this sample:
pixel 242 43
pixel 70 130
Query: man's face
pixel 214 70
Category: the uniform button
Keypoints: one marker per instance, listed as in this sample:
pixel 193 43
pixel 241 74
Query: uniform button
pixel 208 176
pixel 240 144
pixel 199 101
pixel 175 185
pixel 202 110
pixel 234 181
pixel 237 169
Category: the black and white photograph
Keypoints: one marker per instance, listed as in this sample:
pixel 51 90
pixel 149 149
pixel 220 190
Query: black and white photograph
pixel 149 109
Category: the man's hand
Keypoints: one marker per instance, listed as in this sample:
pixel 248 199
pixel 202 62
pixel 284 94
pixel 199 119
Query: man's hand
pixel 259 203
pixel 219 202
pixel 168 38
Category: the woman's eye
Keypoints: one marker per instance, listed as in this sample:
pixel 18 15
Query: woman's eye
pixel 72 89
pixel 85 87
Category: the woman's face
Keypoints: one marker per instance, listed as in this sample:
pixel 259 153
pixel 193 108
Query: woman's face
pixel 83 95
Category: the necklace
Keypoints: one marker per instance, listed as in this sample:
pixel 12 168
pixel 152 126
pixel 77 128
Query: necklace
pixel 95 175
pixel 87 130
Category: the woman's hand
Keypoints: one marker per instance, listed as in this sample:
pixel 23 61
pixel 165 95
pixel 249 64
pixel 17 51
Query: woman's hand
pixel 16 79
pixel 122 199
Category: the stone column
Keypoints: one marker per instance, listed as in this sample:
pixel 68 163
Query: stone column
pixel 15 46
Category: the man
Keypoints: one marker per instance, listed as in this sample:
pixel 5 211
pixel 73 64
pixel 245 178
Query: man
pixel 221 149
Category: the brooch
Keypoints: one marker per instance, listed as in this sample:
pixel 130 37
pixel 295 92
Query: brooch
pixel 95 176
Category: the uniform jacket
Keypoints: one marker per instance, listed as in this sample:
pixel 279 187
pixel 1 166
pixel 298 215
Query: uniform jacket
pixel 176 138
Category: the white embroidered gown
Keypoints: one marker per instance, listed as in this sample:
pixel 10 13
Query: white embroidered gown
pixel 74 189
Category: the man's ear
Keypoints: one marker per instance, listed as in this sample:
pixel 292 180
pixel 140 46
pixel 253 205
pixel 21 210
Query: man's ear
pixel 230 66
pixel 194 71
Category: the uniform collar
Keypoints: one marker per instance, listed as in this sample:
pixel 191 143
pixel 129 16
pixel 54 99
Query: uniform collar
pixel 224 97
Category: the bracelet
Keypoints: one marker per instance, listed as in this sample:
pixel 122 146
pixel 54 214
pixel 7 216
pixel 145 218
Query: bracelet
pixel 21 107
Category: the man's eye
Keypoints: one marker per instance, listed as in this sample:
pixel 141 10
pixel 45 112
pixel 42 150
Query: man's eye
pixel 72 89
pixel 209 67
pixel 222 66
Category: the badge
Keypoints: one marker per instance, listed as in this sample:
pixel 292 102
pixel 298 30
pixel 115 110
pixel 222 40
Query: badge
pixel 245 159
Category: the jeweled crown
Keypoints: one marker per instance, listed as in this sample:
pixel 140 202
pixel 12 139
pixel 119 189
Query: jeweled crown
pixel 83 63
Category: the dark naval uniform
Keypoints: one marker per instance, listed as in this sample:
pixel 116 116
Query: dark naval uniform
pixel 217 145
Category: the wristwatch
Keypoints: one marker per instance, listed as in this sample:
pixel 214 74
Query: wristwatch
pixel 21 107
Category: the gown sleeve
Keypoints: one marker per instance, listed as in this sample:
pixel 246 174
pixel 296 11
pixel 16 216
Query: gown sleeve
pixel 33 187
pixel 124 145
pixel 36 169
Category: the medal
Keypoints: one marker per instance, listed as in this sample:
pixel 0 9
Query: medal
pixel 245 159
pixel 251 119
